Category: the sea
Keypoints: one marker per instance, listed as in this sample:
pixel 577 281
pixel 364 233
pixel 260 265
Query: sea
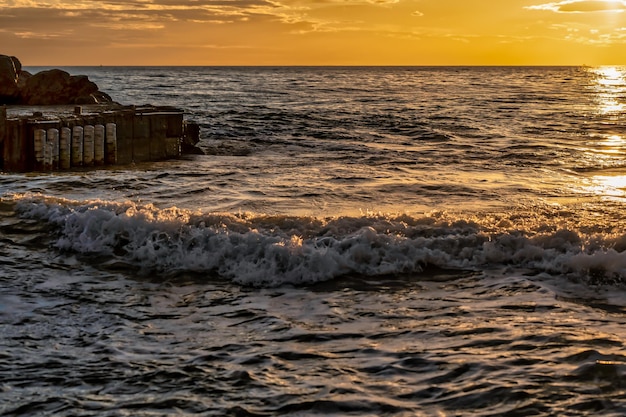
pixel 354 241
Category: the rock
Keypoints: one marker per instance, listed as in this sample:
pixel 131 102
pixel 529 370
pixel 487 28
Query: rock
pixel 22 78
pixel 47 87
pixel 94 98
pixel 10 68
pixel 57 87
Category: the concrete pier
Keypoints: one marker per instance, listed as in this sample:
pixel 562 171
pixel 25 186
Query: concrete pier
pixel 97 134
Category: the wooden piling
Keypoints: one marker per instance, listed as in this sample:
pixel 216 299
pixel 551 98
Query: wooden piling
pixel 53 143
pixel 89 140
pixel 124 122
pixel 141 138
pixel 110 147
pixel 65 148
pixel 16 147
pixel 98 158
pixel 121 135
pixel 77 146
pixel 3 122
pixel 39 146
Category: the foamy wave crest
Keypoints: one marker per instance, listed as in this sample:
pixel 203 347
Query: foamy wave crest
pixel 269 251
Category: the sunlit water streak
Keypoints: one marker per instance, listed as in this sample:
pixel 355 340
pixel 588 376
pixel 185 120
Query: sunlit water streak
pixel 357 241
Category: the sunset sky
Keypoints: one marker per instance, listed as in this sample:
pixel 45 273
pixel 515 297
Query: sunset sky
pixel 314 32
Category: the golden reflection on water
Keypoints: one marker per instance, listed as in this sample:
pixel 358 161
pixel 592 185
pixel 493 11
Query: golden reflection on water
pixel 610 105
pixel 613 146
pixel 608 150
pixel 610 84
pixel 609 186
pixel 609 75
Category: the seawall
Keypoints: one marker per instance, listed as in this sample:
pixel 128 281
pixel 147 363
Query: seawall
pixel 49 138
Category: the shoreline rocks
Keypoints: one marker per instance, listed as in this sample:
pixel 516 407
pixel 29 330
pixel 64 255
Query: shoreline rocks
pixel 51 87
pixel 10 69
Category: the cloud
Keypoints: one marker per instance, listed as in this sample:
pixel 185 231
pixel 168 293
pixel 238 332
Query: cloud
pixel 36 35
pixel 150 15
pixel 584 34
pixel 110 23
pixel 40 19
pixel 221 7
pixel 581 6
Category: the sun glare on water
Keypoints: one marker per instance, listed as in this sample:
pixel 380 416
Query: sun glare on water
pixel 608 150
pixel 609 76
pixel 610 86
pixel 609 186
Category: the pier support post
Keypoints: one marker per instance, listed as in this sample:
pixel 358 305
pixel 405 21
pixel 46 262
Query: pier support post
pixel 65 148
pixel 125 137
pixel 77 146
pixel 53 144
pixel 88 145
pixel 98 158
pixel 141 138
pixel 3 131
pixel 39 147
pixel 111 144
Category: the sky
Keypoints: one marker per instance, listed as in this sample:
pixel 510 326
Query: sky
pixel 314 32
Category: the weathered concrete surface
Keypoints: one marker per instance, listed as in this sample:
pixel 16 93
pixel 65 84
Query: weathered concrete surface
pixel 146 133
pixel 191 139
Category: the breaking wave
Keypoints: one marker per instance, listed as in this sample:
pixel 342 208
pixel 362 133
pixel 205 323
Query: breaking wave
pixel 267 251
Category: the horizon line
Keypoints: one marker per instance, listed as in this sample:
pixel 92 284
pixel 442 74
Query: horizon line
pixel 332 66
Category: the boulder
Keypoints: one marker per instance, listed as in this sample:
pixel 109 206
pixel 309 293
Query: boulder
pixel 58 87
pixel 10 68
pixel 47 87
pixel 98 97
pixel 22 78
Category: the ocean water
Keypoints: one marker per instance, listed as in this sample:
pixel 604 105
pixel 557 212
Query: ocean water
pixel 356 241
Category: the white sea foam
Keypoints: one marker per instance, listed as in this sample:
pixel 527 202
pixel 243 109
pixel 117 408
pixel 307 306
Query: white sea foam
pixel 269 251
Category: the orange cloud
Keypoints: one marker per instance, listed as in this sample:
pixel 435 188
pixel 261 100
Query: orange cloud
pixel 582 6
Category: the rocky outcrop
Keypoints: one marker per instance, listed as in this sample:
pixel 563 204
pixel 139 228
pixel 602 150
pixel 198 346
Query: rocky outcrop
pixel 10 68
pixel 59 87
pixel 22 78
pixel 46 87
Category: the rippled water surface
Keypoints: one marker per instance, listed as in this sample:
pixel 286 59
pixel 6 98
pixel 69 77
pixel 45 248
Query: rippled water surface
pixel 356 241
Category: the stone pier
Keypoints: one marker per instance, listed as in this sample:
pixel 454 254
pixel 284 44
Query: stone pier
pixel 122 134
